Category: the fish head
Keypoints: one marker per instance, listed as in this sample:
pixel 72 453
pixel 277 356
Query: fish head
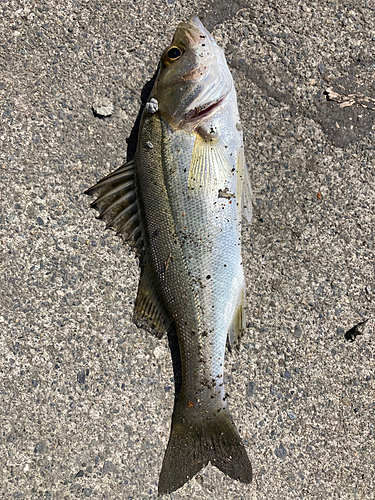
pixel 194 78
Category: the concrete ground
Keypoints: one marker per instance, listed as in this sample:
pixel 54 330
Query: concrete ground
pixel 86 397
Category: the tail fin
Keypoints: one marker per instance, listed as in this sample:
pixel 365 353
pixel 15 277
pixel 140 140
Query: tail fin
pixel 194 442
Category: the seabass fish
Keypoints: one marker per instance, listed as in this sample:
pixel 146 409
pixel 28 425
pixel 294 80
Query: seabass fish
pixel 180 203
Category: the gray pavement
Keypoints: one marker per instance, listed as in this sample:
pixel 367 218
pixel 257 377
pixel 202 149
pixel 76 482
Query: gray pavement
pixel 86 397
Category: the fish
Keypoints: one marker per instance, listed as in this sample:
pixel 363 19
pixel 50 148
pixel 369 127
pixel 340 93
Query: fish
pixel 179 203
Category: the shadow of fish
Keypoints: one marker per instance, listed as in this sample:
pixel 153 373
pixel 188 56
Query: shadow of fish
pixel 180 203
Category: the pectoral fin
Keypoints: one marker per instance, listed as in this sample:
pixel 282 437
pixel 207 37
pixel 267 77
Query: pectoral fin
pixel 209 167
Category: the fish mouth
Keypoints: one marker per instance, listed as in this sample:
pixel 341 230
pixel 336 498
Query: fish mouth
pixel 200 112
pixel 195 21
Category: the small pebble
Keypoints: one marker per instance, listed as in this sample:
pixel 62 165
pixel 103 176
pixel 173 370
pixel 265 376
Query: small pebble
pixel 152 106
pixel 108 467
pixel 39 447
pixel 251 388
pixel 81 377
pixel 103 107
pixel 280 452
pixel 159 352
pixel 297 331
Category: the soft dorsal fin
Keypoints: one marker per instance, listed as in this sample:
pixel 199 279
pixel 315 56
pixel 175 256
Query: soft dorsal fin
pixel 149 312
pixel 117 204
pixel 244 192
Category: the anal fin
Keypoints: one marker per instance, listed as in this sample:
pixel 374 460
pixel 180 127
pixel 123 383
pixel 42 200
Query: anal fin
pixel 237 326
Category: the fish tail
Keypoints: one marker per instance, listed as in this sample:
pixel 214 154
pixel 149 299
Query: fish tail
pixel 196 440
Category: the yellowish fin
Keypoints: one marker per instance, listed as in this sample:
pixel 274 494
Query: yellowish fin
pixel 209 167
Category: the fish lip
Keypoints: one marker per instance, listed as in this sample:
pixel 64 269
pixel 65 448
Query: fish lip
pixel 197 23
pixel 198 113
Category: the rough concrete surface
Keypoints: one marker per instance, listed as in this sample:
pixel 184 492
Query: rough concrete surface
pixel 86 397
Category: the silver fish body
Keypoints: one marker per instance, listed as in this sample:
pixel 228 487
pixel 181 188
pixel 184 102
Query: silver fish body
pixel 181 203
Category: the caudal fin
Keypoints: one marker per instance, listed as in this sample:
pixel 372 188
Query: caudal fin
pixel 193 443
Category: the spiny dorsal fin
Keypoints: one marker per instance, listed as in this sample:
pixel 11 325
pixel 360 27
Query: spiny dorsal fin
pixel 117 203
pixel 149 312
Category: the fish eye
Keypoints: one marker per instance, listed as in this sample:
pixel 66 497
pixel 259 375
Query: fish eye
pixel 174 53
